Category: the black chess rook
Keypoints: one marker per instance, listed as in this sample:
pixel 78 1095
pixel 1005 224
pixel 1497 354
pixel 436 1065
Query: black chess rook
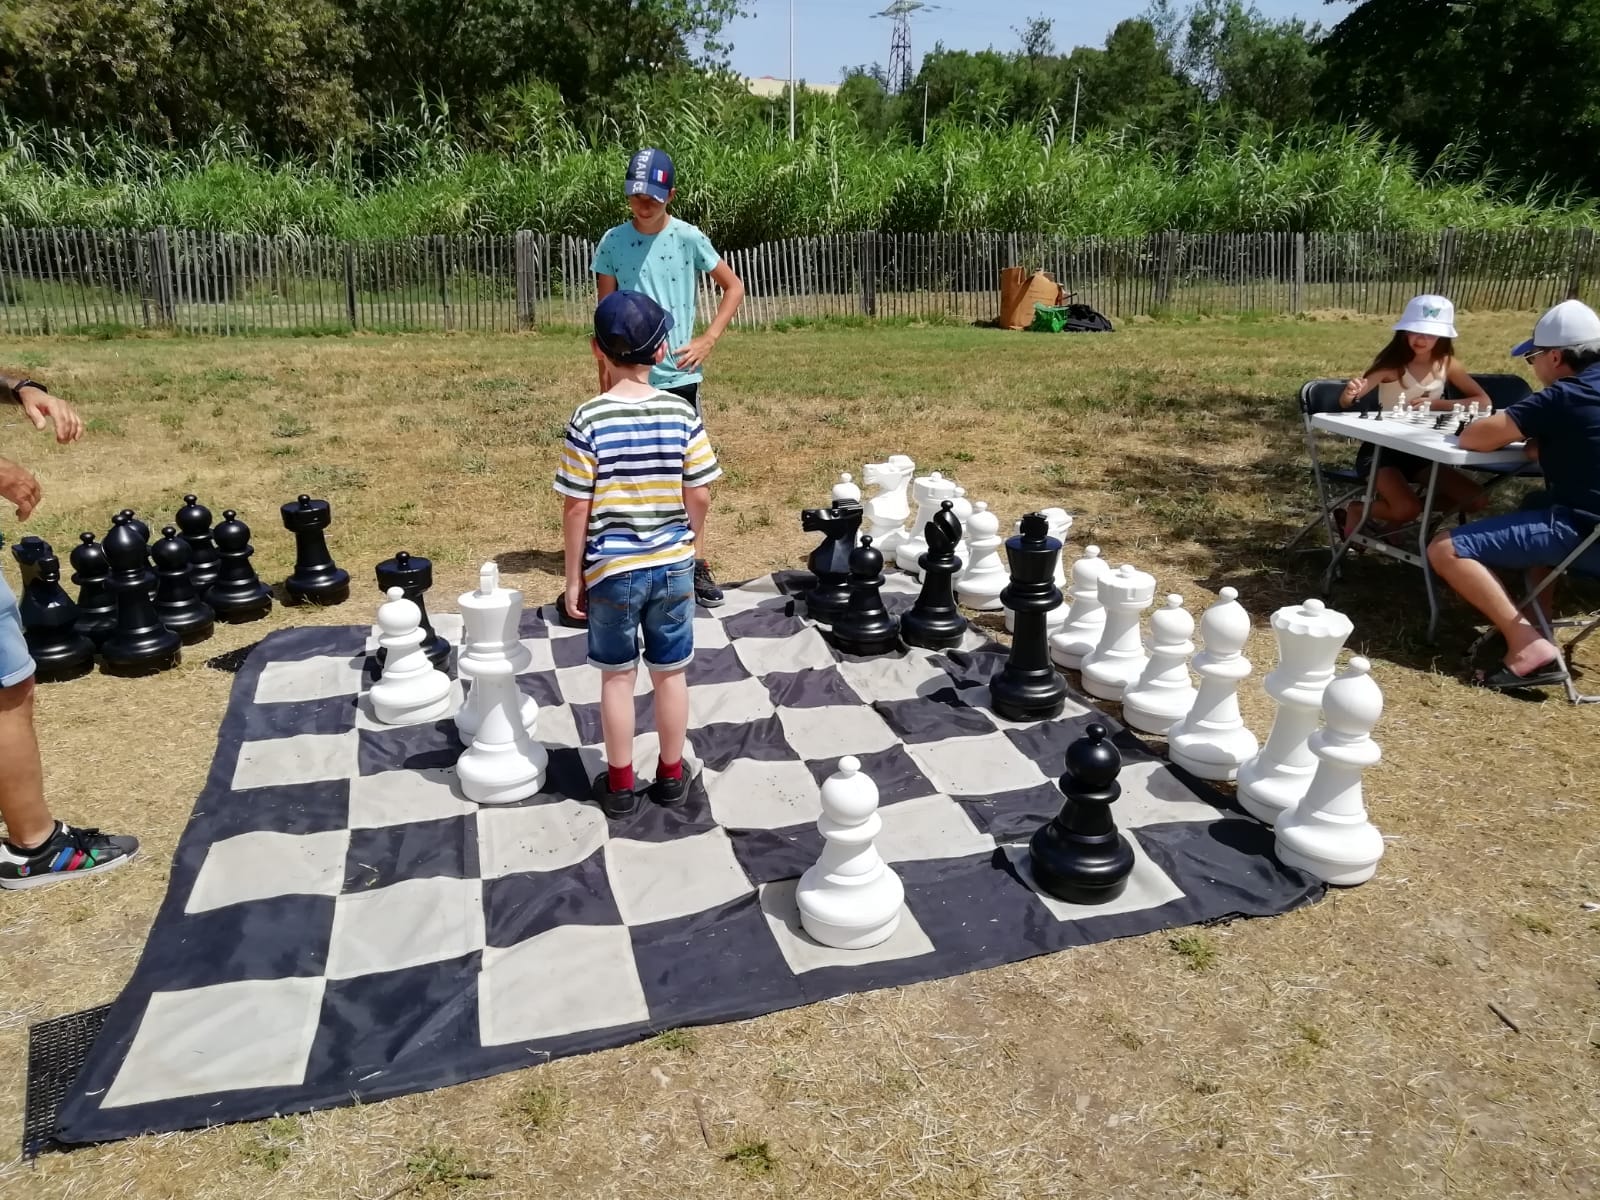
pixel 49 620
pixel 316 577
pixel 194 522
pixel 97 607
pixel 413 575
pixel 1079 856
pixel 829 563
pixel 935 621
pixel 865 627
pixel 238 595
pixel 1030 688
pixel 140 641
pixel 179 608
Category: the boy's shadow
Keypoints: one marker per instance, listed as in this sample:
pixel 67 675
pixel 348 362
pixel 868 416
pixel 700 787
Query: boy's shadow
pixel 515 562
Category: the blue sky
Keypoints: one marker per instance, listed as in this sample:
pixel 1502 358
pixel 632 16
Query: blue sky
pixel 832 33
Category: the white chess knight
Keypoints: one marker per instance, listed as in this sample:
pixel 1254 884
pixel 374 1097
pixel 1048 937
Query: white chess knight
pixel 984 577
pixel 929 491
pixel 504 763
pixel 1086 618
pixel 846 491
pixel 1310 636
pixel 1060 522
pixel 411 690
pixel 850 899
pixel 1164 693
pixel 1117 662
pixel 1327 834
pixel 490 616
pixel 888 511
pixel 1211 742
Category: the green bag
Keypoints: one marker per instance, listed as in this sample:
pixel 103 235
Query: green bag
pixel 1049 318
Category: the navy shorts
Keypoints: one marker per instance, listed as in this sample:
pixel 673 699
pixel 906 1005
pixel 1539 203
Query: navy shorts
pixel 655 602
pixel 689 392
pixel 16 664
pixel 1529 537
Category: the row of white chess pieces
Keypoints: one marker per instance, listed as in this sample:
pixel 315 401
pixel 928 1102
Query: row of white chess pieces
pixel 1423 412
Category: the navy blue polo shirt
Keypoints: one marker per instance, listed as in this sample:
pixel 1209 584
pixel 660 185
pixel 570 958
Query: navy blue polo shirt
pixel 1565 420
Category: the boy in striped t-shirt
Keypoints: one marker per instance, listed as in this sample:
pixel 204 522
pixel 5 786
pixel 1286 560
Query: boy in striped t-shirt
pixel 635 470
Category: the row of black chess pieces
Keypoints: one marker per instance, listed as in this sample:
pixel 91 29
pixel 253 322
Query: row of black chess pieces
pixel 138 604
pixel 846 600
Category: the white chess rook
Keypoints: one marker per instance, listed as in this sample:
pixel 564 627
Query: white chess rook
pixel 1119 660
pixel 490 616
pixel 888 511
pixel 1310 636
pixel 850 899
pixel 1164 693
pixel 1060 522
pixel 985 576
pixel 1211 742
pixel 411 690
pixel 1086 618
pixel 1327 834
pixel 928 490
pixel 504 763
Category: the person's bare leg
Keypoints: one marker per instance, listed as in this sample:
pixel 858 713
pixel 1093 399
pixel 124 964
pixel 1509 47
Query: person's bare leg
pixel 616 715
pixel 1458 492
pixel 1395 502
pixel 1526 648
pixel 28 820
pixel 672 712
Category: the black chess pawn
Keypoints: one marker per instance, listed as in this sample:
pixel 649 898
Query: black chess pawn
pixel 866 626
pixel 316 578
pixel 49 619
pixel 140 641
pixel 179 608
pixel 194 522
pixel 143 530
pixel 1079 856
pixel 139 526
pixel 237 595
pixel 829 596
pixel 97 607
pixel 1030 688
pixel 934 622
pixel 413 575
pixel 28 552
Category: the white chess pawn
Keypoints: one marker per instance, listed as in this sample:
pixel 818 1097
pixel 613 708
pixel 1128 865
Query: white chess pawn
pixel 846 491
pixel 1080 633
pixel 929 491
pixel 490 616
pixel 411 690
pixel 504 763
pixel 1060 522
pixel 1211 742
pixel 1116 663
pixel 887 512
pixel 1164 692
pixel 1327 835
pixel 1310 636
pixel 850 899
pixel 983 578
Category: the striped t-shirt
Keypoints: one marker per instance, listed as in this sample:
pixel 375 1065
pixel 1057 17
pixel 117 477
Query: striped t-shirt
pixel 632 458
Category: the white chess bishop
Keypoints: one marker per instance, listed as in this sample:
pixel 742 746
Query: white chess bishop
pixel 490 615
pixel 850 899
pixel 1060 522
pixel 1164 693
pixel 1086 618
pixel 1211 742
pixel 1119 660
pixel 888 511
pixel 504 763
pixel 1327 834
pixel 929 491
pixel 411 689
pixel 983 578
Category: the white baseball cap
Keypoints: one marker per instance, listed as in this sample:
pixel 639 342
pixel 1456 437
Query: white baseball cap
pixel 1428 314
pixel 1570 323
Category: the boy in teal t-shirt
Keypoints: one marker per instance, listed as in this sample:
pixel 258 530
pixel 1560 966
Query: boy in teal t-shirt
pixel 663 257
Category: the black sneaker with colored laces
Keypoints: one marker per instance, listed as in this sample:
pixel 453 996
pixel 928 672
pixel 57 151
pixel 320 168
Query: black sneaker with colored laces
pixel 706 592
pixel 69 853
pixel 615 805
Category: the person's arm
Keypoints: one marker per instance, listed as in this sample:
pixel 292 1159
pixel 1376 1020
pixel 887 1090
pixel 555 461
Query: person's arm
pixel 1490 433
pixel 41 407
pixel 699 349
pixel 18 485
pixel 697 502
pixel 1362 384
pixel 1469 388
pixel 575 537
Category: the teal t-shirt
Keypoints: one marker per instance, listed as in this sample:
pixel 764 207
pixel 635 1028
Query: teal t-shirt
pixel 664 266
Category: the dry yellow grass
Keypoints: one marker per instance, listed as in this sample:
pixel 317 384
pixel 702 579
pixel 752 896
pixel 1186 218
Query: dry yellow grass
pixel 1345 1050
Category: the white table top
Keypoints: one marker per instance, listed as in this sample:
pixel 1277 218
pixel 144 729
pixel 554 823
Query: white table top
pixel 1435 445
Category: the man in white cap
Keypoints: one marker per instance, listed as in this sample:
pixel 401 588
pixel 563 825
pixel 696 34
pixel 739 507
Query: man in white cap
pixel 1561 425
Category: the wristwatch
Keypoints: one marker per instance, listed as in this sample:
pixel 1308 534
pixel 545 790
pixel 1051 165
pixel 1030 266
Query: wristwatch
pixel 16 388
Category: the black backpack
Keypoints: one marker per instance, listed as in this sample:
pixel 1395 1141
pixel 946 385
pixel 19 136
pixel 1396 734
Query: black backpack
pixel 1083 319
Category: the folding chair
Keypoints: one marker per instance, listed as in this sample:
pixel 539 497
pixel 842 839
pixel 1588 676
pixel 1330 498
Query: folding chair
pixel 1322 396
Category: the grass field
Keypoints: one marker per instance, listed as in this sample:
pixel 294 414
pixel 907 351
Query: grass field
pixel 1347 1050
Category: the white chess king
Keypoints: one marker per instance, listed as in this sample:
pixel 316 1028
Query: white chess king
pixel 490 616
pixel 504 763
pixel 411 690
pixel 850 899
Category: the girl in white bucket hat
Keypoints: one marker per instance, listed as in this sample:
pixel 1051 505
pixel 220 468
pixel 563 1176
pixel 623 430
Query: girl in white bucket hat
pixel 1414 367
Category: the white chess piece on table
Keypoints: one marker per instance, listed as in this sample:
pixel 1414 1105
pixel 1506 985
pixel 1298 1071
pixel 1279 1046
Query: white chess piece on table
pixel 983 578
pixel 1080 632
pixel 850 899
pixel 1211 742
pixel 504 763
pixel 1060 522
pixel 490 616
pixel 928 490
pixel 846 491
pixel 1327 834
pixel 1310 636
pixel 1164 692
pixel 888 511
pixel 1119 659
pixel 411 690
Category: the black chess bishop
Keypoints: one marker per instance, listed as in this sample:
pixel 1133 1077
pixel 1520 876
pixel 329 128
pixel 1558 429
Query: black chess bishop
pixel 935 622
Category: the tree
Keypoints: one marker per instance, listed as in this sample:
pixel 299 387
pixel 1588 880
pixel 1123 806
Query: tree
pixel 1243 62
pixel 1037 38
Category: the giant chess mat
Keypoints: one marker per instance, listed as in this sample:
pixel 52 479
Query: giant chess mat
pixel 341 925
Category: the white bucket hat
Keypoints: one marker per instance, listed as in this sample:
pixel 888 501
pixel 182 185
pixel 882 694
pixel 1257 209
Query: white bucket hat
pixel 1428 314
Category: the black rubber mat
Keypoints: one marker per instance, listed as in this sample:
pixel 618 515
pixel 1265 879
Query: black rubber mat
pixel 56 1051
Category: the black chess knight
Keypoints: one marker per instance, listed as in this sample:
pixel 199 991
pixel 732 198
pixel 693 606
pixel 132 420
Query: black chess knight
pixel 934 622
pixel 1079 856
pixel 830 562
pixel 1030 688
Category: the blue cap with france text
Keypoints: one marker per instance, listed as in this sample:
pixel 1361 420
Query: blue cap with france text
pixel 630 327
pixel 650 174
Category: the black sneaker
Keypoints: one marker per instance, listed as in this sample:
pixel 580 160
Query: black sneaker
pixel 670 792
pixel 706 591
pixel 615 805
pixel 70 853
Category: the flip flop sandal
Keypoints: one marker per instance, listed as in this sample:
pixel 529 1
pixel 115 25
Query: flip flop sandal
pixel 1342 516
pixel 1504 679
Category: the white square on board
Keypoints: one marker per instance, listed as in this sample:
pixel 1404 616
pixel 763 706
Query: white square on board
pixel 537 837
pixel 658 881
pixel 540 656
pixel 834 730
pixel 256 866
pixel 709 634
pixel 406 797
pixel 803 651
pixel 803 954
pixel 927 828
pixel 757 794
pixel 1153 795
pixel 319 678
pixel 729 703
pixel 406 924
pixel 570 978
pixel 976 766
pixel 889 678
pixel 303 758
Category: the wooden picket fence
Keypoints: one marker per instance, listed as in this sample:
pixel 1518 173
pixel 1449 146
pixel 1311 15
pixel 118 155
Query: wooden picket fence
pixel 83 280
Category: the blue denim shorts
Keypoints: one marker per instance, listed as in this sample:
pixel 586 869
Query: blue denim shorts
pixel 657 602
pixel 16 664
pixel 1529 537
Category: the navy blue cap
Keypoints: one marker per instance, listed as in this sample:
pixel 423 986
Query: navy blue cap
pixel 650 174
pixel 630 327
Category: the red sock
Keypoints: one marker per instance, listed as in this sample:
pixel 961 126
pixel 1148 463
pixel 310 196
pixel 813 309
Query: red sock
pixel 665 770
pixel 619 779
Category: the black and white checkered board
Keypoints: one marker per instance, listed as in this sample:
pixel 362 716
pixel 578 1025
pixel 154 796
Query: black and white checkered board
pixel 341 925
